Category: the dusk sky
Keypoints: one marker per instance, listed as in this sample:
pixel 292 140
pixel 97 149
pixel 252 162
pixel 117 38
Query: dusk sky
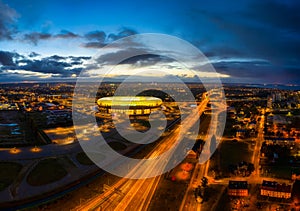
pixel 246 41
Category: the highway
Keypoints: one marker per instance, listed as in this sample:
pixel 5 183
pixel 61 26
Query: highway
pixel 130 194
pixel 189 202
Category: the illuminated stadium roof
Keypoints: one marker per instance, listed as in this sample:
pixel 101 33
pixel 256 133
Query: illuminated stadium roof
pixel 138 101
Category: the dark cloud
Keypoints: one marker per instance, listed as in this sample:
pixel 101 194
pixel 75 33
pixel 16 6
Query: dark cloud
pixel 98 36
pixel 8 17
pixel 8 58
pixel 56 58
pixel 93 45
pixel 252 71
pixel 136 56
pixel 124 32
pixel 66 34
pixel 35 37
pixel 76 63
pixel 146 60
pixel 120 55
pixel 79 58
pixel 96 39
pixel 53 64
pixel 99 39
pixel 45 65
pixel 33 54
pixel 224 52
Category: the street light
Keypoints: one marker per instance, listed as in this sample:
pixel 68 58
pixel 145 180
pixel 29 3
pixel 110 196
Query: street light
pixel 14 150
pixel 36 149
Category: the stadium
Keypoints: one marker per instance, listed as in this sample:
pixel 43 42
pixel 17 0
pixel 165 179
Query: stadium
pixel 138 105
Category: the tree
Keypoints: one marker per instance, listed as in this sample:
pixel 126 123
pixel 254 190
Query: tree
pixel 250 167
pixel 204 182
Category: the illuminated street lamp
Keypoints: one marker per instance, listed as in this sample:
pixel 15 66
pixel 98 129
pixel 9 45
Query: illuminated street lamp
pixel 36 149
pixel 14 150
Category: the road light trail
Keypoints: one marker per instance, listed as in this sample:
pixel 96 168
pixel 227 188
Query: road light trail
pixel 154 181
pixel 189 202
pixel 130 188
pixel 259 141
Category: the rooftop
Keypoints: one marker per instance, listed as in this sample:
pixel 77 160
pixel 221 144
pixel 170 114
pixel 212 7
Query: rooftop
pixel 129 101
pixel 238 184
pixel 272 185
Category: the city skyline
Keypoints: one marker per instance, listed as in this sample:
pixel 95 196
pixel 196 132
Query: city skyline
pixel 53 156
pixel 249 42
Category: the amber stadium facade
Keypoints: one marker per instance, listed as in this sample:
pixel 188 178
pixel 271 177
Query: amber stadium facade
pixel 131 105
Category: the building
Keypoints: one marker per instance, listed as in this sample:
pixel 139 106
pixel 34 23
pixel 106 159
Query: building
pixel 276 190
pixel 269 102
pixel 238 188
pixel 281 141
pixel 139 105
pixel 240 133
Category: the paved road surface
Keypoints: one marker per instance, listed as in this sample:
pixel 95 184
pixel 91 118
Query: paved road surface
pixel 129 194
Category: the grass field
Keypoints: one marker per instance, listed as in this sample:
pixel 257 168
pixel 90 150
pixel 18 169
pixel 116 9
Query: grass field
pixel 230 153
pixel 283 172
pixel 9 171
pixel 45 172
pixel 84 159
pixel 234 152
